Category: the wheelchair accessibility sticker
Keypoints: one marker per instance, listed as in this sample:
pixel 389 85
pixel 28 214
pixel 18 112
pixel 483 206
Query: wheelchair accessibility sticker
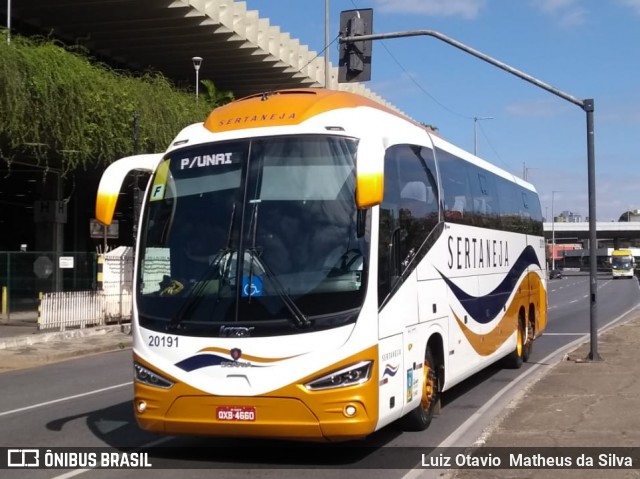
pixel 253 289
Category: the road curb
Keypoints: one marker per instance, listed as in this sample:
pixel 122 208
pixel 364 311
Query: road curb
pixel 76 353
pixel 29 340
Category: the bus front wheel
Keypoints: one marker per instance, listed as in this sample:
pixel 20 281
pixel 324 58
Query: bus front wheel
pixel 420 418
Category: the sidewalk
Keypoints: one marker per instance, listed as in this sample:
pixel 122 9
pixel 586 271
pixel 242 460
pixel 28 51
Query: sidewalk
pixel 578 404
pixel 22 345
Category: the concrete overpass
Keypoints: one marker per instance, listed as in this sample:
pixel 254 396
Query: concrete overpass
pixel 242 53
pixel 609 232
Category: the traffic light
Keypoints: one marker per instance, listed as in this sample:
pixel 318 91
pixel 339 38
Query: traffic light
pixel 355 57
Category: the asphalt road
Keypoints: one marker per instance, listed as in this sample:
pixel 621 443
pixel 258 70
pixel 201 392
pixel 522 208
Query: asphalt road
pixel 87 403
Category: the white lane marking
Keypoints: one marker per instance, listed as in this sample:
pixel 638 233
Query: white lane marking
pixel 68 398
pixel 69 474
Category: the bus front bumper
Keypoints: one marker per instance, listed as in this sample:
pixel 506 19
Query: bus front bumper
pixel 290 412
pixel 266 417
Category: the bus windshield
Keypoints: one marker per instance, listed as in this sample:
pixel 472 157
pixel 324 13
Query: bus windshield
pixel 254 237
pixel 622 262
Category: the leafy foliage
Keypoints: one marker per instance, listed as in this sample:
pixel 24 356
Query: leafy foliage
pixel 57 106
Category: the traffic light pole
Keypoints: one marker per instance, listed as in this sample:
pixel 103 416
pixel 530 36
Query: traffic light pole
pixel 586 105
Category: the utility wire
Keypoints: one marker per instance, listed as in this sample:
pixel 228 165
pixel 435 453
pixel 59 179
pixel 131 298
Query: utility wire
pixel 415 82
pixel 318 54
pixel 492 148
pixel 434 99
pixel 422 89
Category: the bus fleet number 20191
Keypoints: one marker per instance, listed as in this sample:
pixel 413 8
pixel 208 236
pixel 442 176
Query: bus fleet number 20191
pixel 163 341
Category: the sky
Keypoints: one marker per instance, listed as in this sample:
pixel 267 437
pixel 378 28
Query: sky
pixel 585 48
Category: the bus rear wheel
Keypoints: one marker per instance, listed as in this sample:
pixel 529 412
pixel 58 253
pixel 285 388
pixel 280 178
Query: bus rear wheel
pixel 420 418
pixel 517 357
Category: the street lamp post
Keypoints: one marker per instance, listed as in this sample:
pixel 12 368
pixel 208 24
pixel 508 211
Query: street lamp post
pixel 525 171
pixel 553 232
pixel 587 105
pixel 475 131
pixel 197 61
pixel 326 44
pixel 8 22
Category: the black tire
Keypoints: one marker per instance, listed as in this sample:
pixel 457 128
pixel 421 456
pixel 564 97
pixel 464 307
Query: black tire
pixel 420 418
pixel 516 358
pixel 528 341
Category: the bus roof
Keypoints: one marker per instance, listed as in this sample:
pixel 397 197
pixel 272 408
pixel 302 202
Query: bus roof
pixel 622 252
pixel 294 106
pixel 284 107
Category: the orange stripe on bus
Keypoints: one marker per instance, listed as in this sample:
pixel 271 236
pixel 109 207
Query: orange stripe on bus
pixel 285 107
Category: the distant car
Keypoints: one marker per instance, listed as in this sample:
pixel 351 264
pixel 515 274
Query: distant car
pixel 555 274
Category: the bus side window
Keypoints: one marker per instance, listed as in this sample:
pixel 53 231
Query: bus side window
pixel 408 213
pixel 388 226
pixel 458 204
pixel 485 199
pixel 413 198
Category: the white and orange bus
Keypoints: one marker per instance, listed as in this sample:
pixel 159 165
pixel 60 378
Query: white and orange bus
pixel 313 266
pixel 622 263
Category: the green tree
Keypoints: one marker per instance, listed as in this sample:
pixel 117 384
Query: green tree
pixel 59 107
pixel 215 97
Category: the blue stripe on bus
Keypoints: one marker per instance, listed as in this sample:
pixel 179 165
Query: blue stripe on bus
pixel 484 309
pixel 205 360
pixel 201 361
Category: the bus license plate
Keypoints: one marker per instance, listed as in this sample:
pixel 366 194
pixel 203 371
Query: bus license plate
pixel 236 413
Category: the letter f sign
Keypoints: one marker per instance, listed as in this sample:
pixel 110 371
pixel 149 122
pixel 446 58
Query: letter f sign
pixel 157 193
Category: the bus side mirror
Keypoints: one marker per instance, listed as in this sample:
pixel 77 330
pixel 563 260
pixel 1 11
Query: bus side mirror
pixel 369 173
pixel 111 182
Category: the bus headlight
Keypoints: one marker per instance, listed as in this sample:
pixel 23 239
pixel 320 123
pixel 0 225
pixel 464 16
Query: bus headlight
pixel 350 376
pixel 148 377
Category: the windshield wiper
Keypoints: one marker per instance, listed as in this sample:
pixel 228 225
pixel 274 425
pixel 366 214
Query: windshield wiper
pixel 298 317
pixel 254 228
pixel 195 295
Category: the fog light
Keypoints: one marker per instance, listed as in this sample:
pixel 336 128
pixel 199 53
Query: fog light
pixel 350 410
pixel 142 406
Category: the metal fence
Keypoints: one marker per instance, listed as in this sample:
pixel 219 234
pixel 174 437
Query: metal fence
pixel 24 275
pixel 68 290
pixel 61 310
pixel 111 303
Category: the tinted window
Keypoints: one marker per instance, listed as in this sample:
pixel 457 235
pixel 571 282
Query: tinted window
pixel 456 188
pixel 475 196
pixel 409 211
